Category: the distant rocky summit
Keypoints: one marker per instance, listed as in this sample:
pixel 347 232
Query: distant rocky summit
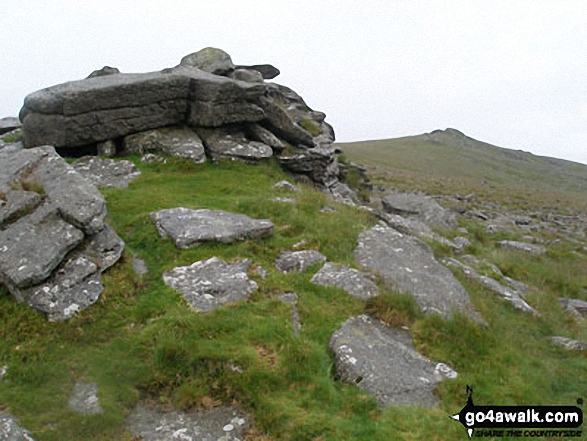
pixel 206 101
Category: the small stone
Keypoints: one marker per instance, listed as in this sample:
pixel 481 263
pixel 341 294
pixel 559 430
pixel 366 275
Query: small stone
pixel 84 399
pixel 284 200
pixel 349 279
pixel 150 158
pixel 522 246
pixel 140 266
pixel 290 261
pixel 285 185
pixel 569 344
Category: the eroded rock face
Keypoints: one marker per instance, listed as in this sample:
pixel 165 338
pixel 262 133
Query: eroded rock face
pixel 383 361
pixel 408 265
pixel 349 279
pixel 106 172
pixel 54 243
pixel 208 284
pixel 423 208
pixel 189 228
pixel 290 261
pixel 217 424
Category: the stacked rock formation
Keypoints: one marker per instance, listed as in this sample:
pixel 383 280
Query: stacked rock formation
pixel 229 110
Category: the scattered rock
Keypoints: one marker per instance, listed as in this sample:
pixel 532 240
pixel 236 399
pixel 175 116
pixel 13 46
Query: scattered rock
pixel 408 265
pixel 327 209
pixel 84 399
pixel 349 279
pixel 569 344
pixel 106 70
pixel 291 299
pixel 216 424
pixel 208 284
pixel 189 228
pixel 261 271
pixel 461 243
pixel 383 361
pixel 285 185
pixel 106 172
pixel 493 285
pixel 521 246
pixel 575 307
pixel 423 208
pixel 290 261
pixel 172 141
pixel 140 266
pixel 10 430
pixel 150 158
pixel 8 124
pixel 284 200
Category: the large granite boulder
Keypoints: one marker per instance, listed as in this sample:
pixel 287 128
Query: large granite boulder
pixel 382 360
pixel 189 228
pixel 54 243
pixel 106 172
pixel 408 265
pixel 208 284
pixel 180 142
pixel 349 279
pixel 421 207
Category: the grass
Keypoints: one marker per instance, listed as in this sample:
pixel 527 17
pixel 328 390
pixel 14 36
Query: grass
pixel 141 341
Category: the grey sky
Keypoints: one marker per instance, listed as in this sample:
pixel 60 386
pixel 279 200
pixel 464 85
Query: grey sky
pixel 512 73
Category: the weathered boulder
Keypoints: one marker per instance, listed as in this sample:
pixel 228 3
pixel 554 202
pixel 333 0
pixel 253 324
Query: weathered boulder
pixel 211 60
pixel 106 70
pixel 267 71
pixel 422 207
pixel 208 284
pixel 408 265
pixel 189 228
pixel 256 132
pixel 216 424
pixel 349 279
pixel 8 124
pixel 231 142
pixel 172 141
pixel 383 361
pixel 521 246
pixel 10 430
pixel 54 243
pixel 569 343
pixel 319 164
pixel 84 398
pixel 106 172
pixel 247 75
pixel 290 261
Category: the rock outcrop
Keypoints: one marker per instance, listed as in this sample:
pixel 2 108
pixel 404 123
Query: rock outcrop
pixel 54 243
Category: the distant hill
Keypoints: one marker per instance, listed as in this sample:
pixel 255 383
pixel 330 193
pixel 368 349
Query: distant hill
pixel 451 157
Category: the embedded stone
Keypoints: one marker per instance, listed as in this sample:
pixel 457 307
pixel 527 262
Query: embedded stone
pixel 290 261
pixel 349 279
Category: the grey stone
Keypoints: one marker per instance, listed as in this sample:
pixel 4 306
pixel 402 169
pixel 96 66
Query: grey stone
pixel 216 424
pixel 510 295
pixel 267 71
pixel 575 307
pixel 189 228
pixel 569 344
pixel 284 200
pixel 291 299
pixel 106 172
pixel 327 209
pixel 172 141
pixel 8 124
pixel 106 148
pixel 349 279
pixel 103 248
pixel 17 204
pixel 319 164
pixel 10 430
pixel 210 59
pixel 383 361
pixel 423 208
pixel 208 284
pixel 342 193
pixel 231 142
pixel 140 266
pixel 408 265
pixel 84 399
pixel 258 133
pixel 11 148
pixel 290 261
pixel 262 272
pixel 461 242
pixel 150 158
pixel 285 185
pixel 521 246
pixel 106 70
pixel 247 75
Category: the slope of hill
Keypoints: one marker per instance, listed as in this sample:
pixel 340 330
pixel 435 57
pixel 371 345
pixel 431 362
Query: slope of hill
pixel 451 161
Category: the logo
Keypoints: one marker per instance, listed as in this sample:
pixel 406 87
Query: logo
pixel 519 421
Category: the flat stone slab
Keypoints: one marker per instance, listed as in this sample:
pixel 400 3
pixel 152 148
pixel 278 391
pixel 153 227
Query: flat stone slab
pixel 290 261
pixel 383 361
pixel 106 172
pixel 349 279
pixel 8 124
pixel 210 283
pixel 422 207
pixel 408 265
pixel 569 343
pixel 10 430
pixel 217 424
pixel 84 398
pixel 510 295
pixel 189 228
pixel 521 246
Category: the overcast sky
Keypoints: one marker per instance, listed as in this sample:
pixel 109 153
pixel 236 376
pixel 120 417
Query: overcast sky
pixel 511 73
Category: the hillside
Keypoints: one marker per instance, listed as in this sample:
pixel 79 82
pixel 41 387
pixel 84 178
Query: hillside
pixel 451 161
